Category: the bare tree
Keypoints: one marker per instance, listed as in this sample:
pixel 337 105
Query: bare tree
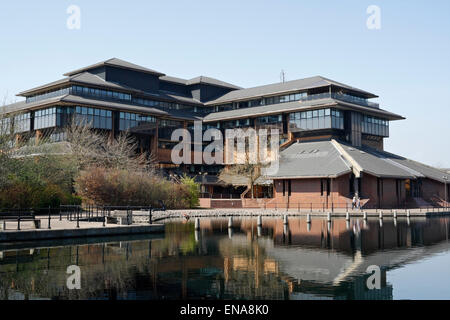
pixel 89 147
pixel 248 171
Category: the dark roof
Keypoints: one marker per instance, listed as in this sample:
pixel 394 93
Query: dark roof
pixel 295 106
pixel 73 99
pixel 282 87
pixel 420 169
pixel 22 105
pixel 376 165
pixel 200 79
pixel 56 83
pixel 92 79
pixel 173 79
pixel 83 78
pixel 116 63
pixel 333 158
pixel 311 160
pixel 212 81
pixel 13 107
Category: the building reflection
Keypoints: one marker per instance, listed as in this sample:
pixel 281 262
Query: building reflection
pixel 272 261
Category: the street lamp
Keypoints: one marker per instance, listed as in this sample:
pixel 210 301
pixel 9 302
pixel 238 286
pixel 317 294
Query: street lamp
pixel 446 193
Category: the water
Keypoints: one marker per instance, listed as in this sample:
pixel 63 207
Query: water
pixel 322 261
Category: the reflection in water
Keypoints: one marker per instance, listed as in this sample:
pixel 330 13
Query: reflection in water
pixel 320 260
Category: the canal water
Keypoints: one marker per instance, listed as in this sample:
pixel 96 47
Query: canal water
pixel 320 260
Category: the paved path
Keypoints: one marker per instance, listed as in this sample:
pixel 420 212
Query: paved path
pixel 68 229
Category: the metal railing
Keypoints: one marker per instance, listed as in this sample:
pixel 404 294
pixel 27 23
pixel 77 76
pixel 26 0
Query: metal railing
pixel 341 206
pixel 77 213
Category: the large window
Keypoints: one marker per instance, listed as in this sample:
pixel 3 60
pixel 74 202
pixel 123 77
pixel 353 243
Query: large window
pixel 261 101
pixel 375 126
pixel 5 125
pixel 48 94
pixel 132 120
pixel 97 118
pixel 45 118
pixel 166 127
pixel 316 119
pixel 100 93
pixel 270 119
pixel 22 122
pixel 240 123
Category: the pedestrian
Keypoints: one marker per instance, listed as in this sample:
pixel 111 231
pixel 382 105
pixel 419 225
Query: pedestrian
pixel 354 202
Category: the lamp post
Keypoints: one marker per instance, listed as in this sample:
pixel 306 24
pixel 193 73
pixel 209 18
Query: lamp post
pixel 446 193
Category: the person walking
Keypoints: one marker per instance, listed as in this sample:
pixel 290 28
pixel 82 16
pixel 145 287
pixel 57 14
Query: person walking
pixel 354 202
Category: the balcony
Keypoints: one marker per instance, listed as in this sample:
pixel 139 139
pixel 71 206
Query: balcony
pixel 342 97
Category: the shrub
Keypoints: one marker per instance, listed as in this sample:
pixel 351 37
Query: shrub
pixel 123 187
pixel 25 195
pixel 193 189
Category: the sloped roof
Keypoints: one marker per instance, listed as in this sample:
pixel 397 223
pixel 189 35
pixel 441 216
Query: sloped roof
pixel 311 160
pixel 83 78
pixel 326 159
pixel 422 169
pixel 288 86
pixel 173 79
pixel 208 80
pixel 295 106
pixel 73 99
pixel 116 63
pixel 199 79
pixel 376 165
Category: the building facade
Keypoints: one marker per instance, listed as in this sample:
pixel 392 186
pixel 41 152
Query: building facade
pixel 331 134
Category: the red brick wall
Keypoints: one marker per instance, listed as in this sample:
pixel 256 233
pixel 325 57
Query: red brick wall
pixel 307 192
pixel 223 203
pixel 432 189
pixel 389 195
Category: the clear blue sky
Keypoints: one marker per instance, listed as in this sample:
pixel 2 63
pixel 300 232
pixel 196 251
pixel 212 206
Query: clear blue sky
pixel 406 62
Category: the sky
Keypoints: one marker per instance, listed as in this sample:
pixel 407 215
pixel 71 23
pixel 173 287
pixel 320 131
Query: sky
pixel 406 62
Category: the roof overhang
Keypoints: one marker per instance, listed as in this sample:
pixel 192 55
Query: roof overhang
pixel 298 106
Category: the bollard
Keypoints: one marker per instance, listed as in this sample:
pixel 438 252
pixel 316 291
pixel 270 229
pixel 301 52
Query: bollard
pixel 285 219
pixel 150 216
pixel 395 222
pixel 49 217
pixel 381 215
pixel 78 218
pixel 329 226
pixel 259 221
pixel 347 216
pixel 308 218
pixel 381 223
pixel 408 221
pixel 18 222
pixel 60 215
pixel 104 218
pixel 408 213
pixel 197 224
pixel 329 216
pixel 197 235
pixel 395 214
pixel 308 227
pixel 230 222
pixel 365 215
